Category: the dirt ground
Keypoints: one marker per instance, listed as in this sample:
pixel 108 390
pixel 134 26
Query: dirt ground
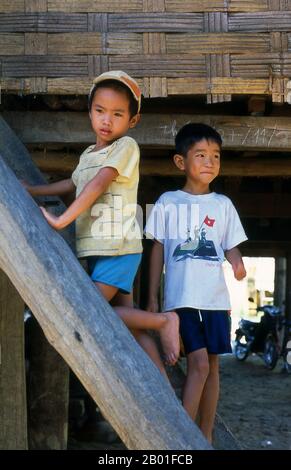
pixel 255 403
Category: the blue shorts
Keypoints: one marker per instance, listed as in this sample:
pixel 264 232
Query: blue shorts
pixel 208 329
pixel 117 271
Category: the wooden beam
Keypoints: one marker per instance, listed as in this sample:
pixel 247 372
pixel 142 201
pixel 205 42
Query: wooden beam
pixel 237 167
pixel 262 205
pixel 13 416
pixel 83 328
pixel 65 163
pixel 266 205
pixel 265 248
pixel 154 130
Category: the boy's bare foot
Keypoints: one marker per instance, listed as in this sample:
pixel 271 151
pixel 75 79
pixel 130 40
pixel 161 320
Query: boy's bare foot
pixel 170 340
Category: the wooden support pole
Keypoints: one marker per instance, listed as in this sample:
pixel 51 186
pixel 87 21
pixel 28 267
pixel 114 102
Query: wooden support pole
pixel 280 282
pixel 130 391
pixel 48 400
pixel 13 419
pixel 48 393
pixel 288 286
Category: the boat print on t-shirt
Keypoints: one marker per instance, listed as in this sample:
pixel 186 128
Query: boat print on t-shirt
pixel 198 247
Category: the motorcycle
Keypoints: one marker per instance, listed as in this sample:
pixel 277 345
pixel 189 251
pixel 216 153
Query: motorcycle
pixel 262 338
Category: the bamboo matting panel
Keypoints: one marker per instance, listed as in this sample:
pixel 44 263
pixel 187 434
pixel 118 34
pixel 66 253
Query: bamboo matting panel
pixel 216 48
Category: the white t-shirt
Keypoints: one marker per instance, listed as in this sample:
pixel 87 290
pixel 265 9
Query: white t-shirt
pixel 195 231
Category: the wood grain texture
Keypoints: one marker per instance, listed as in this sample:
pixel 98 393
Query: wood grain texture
pixel 44 66
pixel 36 43
pixel 13 415
pixel 154 22
pixel 114 6
pixel 38 6
pixel 240 86
pixel 154 5
pixel 84 329
pixel 14 85
pixel 75 44
pixel 160 65
pixel 43 22
pixel 248 5
pixel 69 86
pixel 11 44
pixel 48 400
pixel 260 22
pixel 238 132
pixel 195 5
pixel 8 6
pixel 162 43
pixel 261 66
pixel 122 43
pixel 217 43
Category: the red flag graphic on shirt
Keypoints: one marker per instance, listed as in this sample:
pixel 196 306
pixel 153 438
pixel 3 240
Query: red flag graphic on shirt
pixel 208 221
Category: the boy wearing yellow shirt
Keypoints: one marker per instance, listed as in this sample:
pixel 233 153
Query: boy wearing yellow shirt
pixel 107 233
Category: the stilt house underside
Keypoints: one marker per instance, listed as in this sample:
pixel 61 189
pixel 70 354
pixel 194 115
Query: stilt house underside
pixel 223 62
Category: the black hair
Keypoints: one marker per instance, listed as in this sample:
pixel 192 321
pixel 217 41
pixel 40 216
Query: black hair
pixel 119 87
pixel 192 133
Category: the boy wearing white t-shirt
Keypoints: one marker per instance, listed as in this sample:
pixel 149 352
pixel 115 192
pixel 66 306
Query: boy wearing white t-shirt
pixel 194 230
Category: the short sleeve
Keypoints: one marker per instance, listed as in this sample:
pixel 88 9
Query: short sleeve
pixel 75 176
pixel 123 156
pixel 156 227
pixel 234 232
pixel 76 172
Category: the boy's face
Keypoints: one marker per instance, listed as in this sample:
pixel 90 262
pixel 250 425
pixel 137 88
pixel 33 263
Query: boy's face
pixel 110 116
pixel 202 163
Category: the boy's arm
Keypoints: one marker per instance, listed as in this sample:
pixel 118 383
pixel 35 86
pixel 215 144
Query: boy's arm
pixel 155 271
pixel 86 199
pixel 55 189
pixel 234 257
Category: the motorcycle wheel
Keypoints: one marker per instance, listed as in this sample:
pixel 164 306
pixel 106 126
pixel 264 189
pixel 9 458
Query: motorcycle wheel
pixel 270 354
pixel 241 351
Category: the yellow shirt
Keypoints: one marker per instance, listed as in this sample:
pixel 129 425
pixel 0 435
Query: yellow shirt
pixel 109 227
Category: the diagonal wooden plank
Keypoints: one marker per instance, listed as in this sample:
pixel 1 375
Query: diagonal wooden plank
pixel 79 323
pixel 47 419
pixel 16 156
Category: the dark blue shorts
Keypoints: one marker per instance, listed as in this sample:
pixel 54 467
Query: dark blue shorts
pixel 208 329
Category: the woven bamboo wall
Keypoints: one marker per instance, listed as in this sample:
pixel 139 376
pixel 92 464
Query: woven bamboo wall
pixel 172 47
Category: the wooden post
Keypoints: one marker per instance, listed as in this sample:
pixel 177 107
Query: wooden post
pixel 13 420
pixel 280 282
pixel 288 287
pixel 48 390
pixel 48 375
pixel 130 391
